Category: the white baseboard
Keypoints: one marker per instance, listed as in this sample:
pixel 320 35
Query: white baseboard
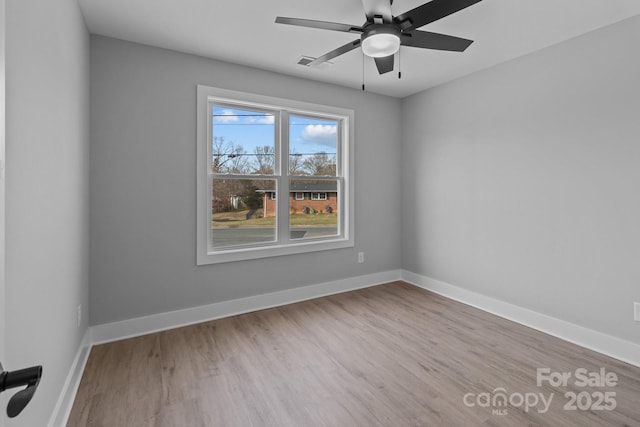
pixel 159 322
pixel 617 348
pixel 174 319
pixel 67 396
pixel 611 346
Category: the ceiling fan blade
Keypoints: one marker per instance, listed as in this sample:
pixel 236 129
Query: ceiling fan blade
pixel 430 12
pixel 378 8
pixel 427 40
pixel 336 52
pixel 323 25
pixel 384 64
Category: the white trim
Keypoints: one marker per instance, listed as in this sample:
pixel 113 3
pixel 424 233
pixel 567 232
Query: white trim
pixel 116 331
pixel 597 341
pixel 207 96
pixel 611 346
pixel 160 322
pixel 62 410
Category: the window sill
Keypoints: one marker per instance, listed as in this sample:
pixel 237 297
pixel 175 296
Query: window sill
pixel 244 254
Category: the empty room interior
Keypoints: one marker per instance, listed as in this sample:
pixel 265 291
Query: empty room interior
pixel 339 213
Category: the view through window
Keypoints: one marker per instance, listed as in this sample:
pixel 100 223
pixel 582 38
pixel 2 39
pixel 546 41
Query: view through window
pixel 276 176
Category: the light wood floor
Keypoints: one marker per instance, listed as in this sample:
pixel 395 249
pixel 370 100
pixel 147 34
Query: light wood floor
pixel 391 355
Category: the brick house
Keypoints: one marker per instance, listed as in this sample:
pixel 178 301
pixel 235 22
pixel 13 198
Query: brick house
pixel 303 198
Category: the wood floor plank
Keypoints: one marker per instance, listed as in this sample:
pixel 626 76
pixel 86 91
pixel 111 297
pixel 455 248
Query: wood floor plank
pixel 390 355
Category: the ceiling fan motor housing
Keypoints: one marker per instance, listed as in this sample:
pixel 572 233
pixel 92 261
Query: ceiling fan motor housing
pixel 380 40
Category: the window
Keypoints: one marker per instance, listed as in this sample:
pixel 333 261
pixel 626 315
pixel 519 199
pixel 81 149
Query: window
pixel 252 147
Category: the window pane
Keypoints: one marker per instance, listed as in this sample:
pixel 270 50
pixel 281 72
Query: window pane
pixel 242 212
pixel 243 141
pixel 313 145
pixel 311 217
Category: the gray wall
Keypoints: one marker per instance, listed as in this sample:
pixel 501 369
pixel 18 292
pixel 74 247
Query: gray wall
pixel 521 182
pixel 143 188
pixel 47 208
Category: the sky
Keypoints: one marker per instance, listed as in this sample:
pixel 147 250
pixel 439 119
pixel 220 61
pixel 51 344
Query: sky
pixel 255 128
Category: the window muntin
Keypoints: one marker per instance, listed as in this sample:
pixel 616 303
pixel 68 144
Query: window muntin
pixel 299 195
pixel 266 164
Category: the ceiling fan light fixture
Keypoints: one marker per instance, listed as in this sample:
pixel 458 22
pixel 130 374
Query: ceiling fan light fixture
pixel 379 41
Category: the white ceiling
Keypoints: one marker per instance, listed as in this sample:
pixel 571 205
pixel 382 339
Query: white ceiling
pixel 244 32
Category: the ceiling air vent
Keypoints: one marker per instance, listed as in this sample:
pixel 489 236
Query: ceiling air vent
pixel 305 60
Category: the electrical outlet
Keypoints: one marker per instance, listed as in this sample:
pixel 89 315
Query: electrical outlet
pixel 79 314
pixel 636 311
pixel 361 257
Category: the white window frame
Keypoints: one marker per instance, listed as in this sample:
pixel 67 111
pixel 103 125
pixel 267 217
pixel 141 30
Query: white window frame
pixel 301 197
pixel 272 195
pixel 206 97
pixel 319 196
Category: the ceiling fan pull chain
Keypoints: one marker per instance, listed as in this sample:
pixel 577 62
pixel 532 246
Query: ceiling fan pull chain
pixel 363 71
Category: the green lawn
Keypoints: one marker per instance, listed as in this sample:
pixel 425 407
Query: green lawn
pixel 238 219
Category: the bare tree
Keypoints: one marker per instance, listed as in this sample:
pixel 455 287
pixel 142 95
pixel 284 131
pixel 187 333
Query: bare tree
pixel 238 160
pixel 320 164
pixel 228 157
pixel 264 159
pixel 295 163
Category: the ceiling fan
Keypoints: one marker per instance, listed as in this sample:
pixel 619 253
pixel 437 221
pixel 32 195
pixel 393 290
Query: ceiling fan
pixel 382 34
